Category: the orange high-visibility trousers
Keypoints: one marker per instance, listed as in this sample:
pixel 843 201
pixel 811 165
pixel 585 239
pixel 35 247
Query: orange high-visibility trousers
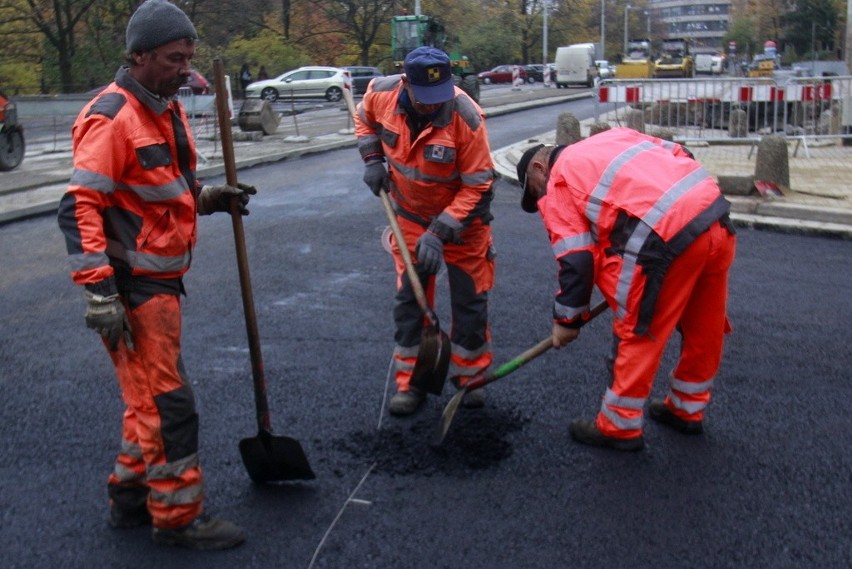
pixel 470 272
pixel 693 300
pixel 158 460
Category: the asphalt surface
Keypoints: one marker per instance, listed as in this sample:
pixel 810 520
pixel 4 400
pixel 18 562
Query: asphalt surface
pixel 769 484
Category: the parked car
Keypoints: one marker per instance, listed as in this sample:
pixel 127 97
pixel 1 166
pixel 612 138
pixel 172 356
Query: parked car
pixel 302 83
pixel 501 74
pixel 11 135
pixel 198 83
pixel 535 72
pixel 361 77
pixel 605 70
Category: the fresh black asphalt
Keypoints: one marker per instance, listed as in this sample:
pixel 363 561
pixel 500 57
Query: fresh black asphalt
pixel 769 484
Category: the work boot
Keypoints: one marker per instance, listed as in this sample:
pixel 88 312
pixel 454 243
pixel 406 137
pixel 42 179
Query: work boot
pixel 474 399
pixel 122 518
pixel 660 412
pixel 406 402
pixel 587 432
pixel 204 532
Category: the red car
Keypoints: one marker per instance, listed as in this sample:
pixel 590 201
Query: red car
pixel 502 74
pixel 198 84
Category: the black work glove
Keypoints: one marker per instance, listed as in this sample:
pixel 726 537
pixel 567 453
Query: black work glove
pixel 430 252
pixel 218 198
pixel 106 316
pixel 376 176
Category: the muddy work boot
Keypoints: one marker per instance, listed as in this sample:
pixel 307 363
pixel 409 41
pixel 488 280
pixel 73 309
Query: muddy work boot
pixel 406 402
pixel 122 518
pixel 586 432
pixel 659 412
pixel 204 532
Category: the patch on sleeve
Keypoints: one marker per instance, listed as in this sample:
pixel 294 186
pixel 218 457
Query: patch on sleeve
pixel 107 105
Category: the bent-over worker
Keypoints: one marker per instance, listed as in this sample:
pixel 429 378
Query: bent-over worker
pixel 641 219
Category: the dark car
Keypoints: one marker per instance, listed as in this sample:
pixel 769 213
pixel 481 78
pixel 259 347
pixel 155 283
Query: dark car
pixel 502 74
pixel 535 72
pixel 11 135
pixel 361 77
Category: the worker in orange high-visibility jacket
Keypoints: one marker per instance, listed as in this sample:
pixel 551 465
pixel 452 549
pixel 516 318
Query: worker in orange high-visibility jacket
pixel 439 175
pixel 641 219
pixel 129 220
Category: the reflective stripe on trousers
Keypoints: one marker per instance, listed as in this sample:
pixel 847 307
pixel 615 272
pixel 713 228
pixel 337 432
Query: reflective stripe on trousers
pixel 693 299
pixel 159 452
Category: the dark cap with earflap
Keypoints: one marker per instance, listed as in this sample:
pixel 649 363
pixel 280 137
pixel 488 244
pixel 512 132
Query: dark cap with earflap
pixel 528 201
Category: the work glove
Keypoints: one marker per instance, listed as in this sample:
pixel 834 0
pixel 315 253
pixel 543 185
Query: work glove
pixel 218 198
pixel 430 252
pixel 376 176
pixel 105 315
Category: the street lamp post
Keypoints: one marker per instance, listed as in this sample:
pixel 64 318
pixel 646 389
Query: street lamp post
pixel 544 36
pixel 602 54
pixel 626 12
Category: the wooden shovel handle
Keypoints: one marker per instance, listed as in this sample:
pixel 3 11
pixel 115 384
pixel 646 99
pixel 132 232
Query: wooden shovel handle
pixel 258 375
pixel 416 285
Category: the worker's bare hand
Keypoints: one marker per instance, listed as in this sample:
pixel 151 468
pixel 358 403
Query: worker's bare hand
pixel 563 336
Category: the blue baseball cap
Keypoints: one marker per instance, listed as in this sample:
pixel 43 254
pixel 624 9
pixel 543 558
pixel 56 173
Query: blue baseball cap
pixel 428 71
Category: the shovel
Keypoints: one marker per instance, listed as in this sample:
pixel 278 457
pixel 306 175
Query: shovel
pixel 433 356
pixel 267 457
pixel 482 380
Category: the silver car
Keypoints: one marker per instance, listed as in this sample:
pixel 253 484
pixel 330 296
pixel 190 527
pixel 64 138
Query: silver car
pixel 303 83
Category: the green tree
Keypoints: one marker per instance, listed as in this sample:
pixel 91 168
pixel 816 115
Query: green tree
pixel 811 26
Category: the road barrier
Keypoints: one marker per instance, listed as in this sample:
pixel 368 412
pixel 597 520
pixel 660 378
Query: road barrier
pixel 723 119
pixel 804 109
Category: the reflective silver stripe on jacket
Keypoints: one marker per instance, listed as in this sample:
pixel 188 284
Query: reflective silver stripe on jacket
pixel 571 243
pixel 106 185
pixel 562 311
pixel 85 261
pixel 414 174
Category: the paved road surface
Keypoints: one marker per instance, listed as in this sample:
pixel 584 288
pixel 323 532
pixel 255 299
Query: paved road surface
pixel 767 486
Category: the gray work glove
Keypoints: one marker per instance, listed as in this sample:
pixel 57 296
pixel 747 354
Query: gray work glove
pixel 106 316
pixel 376 176
pixel 218 198
pixel 430 252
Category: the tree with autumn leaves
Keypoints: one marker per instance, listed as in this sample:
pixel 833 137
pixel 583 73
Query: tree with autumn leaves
pixel 68 46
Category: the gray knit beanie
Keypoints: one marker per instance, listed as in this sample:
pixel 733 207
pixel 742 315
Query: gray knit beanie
pixel 157 22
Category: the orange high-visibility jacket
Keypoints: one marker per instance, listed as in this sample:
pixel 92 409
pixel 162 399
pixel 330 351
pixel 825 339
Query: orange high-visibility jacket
pixel 619 207
pixel 131 201
pixel 446 172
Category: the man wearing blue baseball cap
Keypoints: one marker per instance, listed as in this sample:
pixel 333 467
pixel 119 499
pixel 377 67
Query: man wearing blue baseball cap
pixel 439 175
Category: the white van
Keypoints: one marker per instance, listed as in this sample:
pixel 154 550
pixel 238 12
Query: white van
pixel 575 65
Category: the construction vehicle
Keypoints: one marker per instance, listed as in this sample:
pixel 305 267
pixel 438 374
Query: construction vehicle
pixel 410 31
pixel 11 135
pixel 637 63
pixel 675 60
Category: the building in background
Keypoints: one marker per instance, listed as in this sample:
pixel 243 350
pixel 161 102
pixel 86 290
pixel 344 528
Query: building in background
pixel 702 23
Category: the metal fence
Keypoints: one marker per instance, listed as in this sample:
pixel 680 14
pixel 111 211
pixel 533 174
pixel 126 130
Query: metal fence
pixel 727 116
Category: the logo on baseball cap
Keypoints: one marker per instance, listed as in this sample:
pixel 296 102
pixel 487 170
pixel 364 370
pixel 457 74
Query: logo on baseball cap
pixel 430 76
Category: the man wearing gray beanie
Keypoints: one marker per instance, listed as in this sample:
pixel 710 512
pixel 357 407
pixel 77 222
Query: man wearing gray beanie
pixel 129 218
